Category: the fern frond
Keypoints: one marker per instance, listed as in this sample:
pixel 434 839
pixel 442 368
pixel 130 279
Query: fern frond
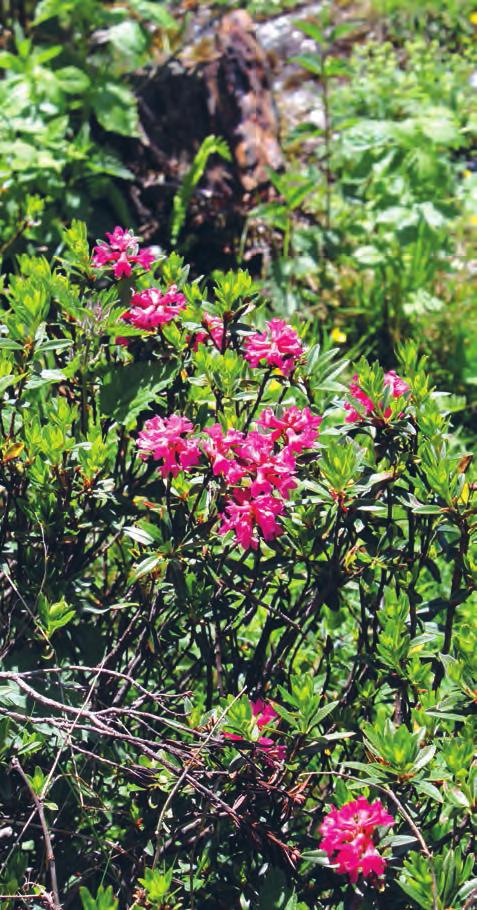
pixel 212 145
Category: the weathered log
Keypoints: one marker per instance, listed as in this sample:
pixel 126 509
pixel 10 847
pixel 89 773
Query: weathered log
pixel 240 101
pixel 227 93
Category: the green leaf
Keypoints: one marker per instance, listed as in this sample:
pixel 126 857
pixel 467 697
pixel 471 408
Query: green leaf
pixel 7 381
pixel 334 67
pixel 44 378
pixel 155 12
pixel 104 899
pixel 72 80
pixel 310 62
pixel 115 108
pixel 128 390
pixel 146 566
pixel 10 62
pixel 430 790
pixel 37 780
pixel 440 125
pixel 312 30
pixel 425 756
pixel 368 256
pixel 128 37
pixel 54 616
pixel 319 857
pixel 210 146
pixel 139 535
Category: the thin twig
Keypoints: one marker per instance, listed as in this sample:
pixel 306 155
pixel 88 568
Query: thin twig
pixel 50 856
pixel 184 775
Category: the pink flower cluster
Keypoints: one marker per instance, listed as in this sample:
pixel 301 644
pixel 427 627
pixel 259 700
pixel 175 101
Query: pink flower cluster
pixel 260 473
pixel 392 381
pixel 258 467
pixel 151 308
pixel 251 458
pixel 121 253
pixel 347 837
pixel 264 714
pixel 168 440
pixel 279 346
pixel 245 516
pixel 298 429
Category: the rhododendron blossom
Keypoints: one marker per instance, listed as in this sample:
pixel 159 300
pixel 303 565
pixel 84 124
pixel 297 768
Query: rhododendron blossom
pixel 215 332
pixel 397 385
pixel 121 253
pixel 151 308
pixel 273 752
pixel 250 458
pixel 165 439
pixel 392 381
pixel 347 837
pixel 221 449
pixel 278 345
pixel 297 428
pixel 274 472
pixel 245 515
pixel 261 476
pixel 263 713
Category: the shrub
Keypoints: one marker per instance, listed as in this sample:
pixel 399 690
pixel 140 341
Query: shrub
pixel 238 646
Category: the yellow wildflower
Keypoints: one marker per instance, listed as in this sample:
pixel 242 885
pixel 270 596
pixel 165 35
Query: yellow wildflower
pixel 473 18
pixel 338 336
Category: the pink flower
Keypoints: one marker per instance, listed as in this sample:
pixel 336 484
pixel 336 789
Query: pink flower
pixel 279 346
pixel 397 385
pixel 151 308
pixel 347 837
pixel 246 516
pixel 215 332
pixel 274 472
pixel 273 753
pixel 249 462
pixel 353 416
pixel 358 393
pixel 254 447
pixel 392 381
pixel 250 458
pixel 360 856
pixel 234 736
pixel 264 714
pixel 221 449
pixel 298 429
pixel 123 250
pixel 166 440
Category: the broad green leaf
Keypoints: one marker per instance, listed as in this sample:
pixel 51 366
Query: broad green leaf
pixel 128 390
pixel 115 107
pixel 73 80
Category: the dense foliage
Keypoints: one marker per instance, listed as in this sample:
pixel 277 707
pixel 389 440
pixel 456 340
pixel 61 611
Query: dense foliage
pixel 378 204
pixel 65 95
pixel 198 513
pixel 238 562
